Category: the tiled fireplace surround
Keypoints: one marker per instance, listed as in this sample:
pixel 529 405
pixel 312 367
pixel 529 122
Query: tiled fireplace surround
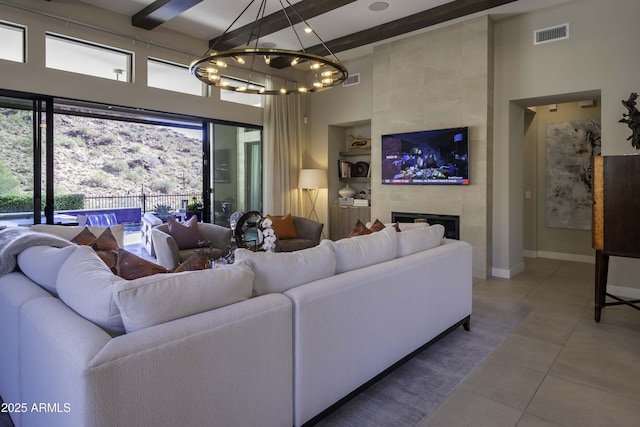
pixel 444 77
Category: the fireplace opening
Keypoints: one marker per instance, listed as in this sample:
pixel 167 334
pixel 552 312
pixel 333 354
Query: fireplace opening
pixel 451 223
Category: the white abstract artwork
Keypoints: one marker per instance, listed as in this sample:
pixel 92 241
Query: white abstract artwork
pixel 570 148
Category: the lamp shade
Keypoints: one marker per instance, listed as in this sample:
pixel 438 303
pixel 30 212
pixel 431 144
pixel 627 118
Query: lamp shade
pixel 312 178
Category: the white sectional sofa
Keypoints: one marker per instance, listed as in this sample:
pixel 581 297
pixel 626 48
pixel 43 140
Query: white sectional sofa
pixel 272 340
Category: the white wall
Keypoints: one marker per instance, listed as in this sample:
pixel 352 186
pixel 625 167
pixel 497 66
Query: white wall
pixel 600 55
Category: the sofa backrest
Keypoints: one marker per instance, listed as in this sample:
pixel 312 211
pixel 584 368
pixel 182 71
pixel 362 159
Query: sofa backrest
pixel 69 232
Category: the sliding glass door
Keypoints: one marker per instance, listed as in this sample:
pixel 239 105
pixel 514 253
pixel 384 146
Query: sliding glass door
pixel 236 175
pixel 23 160
pixel 98 157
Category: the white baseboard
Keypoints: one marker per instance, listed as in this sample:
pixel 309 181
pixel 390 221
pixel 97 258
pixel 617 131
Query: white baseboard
pixel 507 274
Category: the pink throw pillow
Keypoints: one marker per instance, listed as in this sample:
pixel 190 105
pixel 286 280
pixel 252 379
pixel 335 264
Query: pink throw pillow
pixel 186 236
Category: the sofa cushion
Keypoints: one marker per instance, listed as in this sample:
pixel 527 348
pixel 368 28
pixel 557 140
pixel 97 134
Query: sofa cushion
pixel 164 297
pixel 42 263
pixel 284 227
pixel 70 231
pixel 186 235
pixel 281 271
pixel 419 239
pixel 362 251
pixel 85 284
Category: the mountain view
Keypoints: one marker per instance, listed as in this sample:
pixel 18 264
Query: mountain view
pixel 101 157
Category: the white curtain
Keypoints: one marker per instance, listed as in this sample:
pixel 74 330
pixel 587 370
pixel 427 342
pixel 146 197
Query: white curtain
pixel 282 151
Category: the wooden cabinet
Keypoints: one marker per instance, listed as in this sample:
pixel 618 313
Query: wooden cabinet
pixel 343 218
pixel 616 208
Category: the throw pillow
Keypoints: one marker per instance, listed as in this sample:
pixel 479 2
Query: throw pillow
pixel 377 225
pixel 85 238
pixel 110 258
pixel 131 266
pixel 283 226
pixel 105 242
pixel 359 230
pixel 280 271
pixel 198 260
pixel 157 299
pixel 186 236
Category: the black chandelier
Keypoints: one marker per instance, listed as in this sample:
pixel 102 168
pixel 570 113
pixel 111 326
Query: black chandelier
pixel 237 69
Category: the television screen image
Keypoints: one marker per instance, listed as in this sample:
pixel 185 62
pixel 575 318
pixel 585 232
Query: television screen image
pixel 427 157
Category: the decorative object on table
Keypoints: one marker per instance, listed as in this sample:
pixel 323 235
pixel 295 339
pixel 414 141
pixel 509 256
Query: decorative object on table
pixel 345 201
pixel 248 232
pixel 632 119
pixel 360 170
pixel 312 180
pixel 194 208
pixel 317 71
pixel 359 143
pixel 570 146
pixel 269 235
pixel 347 192
pixel 344 169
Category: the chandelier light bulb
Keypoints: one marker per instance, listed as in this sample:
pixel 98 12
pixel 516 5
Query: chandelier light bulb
pixel 283 90
pixel 239 59
pixel 295 62
pixel 267 59
pixel 302 89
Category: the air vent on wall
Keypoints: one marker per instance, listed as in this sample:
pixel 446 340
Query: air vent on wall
pixel 352 80
pixel 551 34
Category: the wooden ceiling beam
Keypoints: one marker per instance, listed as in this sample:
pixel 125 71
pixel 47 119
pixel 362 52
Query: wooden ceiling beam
pixel 276 22
pixel 446 12
pixel 160 11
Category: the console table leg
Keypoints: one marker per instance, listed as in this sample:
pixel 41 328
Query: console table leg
pixel 602 270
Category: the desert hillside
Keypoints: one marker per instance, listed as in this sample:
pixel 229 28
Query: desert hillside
pixel 101 157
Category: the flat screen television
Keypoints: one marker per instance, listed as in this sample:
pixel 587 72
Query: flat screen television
pixel 438 156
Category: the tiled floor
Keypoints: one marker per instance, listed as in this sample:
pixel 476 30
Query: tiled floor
pixel 558 367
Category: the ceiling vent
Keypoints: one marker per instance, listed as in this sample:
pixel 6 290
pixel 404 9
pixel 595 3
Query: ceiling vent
pixel 352 80
pixel 551 34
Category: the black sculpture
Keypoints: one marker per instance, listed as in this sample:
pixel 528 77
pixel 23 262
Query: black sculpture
pixel 632 119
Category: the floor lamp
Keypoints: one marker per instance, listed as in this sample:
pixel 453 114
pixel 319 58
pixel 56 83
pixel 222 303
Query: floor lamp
pixel 312 180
